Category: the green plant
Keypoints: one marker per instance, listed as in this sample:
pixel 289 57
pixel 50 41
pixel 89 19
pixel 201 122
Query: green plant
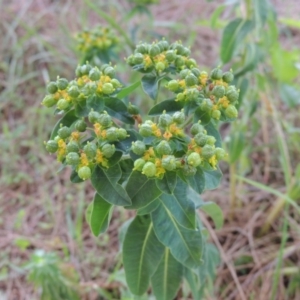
pixel 157 167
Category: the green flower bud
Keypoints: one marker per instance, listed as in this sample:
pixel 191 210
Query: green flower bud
pixel 138 58
pixel 63 104
pixel 84 173
pixel 149 169
pixel 191 80
pixel 108 150
pixel 95 74
pixel 160 66
pixel 173 85
pixel 194 159
pixel 179 49
pixel 196 72
pixel 145 130
pixel 206 105
pixel 122 133
pixel 170 55
pixel 192 94
pixel 110 71
pixel 184 73
pixel 207 151
pixel 104 120
pixel 169 163
pixel 154 50
pixel 72 159
pixel 90 149
pixel 163 148
pixel 190 63
pixel 51 146
pixel 141 48
pixel 133 109
pixel 130 60
pixel 164 120
pixel 107 88
pixel 94 116
pixel 232 95
pixel 180 97
pixel 78 71
pixel 80 126
pixel 116 83
pixel 200 139
pixel 178 117
pixel 112 134
pixel 163 45
pixel 62 83
pixel 139 164
pixel 231 112
pixel 72 147
pixel 85 69
pixel 52 87
pixel 218 91
pixel 211 140
pixel 104 66
pixel 220 153
pixel 73 91
pixel 197 128
pixel 48 101
pixel 216 74
pixel 179 62
pixel 216 114
pixel 186 52
pixel 228 77
pixel 64 132
pixel 138 147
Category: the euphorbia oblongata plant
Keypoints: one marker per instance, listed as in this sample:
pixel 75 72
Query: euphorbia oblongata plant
pixel 157 165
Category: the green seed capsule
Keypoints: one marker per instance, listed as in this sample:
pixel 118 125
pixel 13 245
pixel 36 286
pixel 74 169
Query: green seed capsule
pixel 84 173
pixel 173 85
pixel 95 74
pixel 194 159
pixel 48 101
pixel 232 95
pixel 216 114
pixel 170 55
pixel 110 71
pixel 211 140
pixel 72 159
pixel 138 58
pixel 145 130
pixel 73 91
pixel 116 83
pixel 104 66
pixel 72 147
pixel 78 71
pixel 197 128
pixel 180 97
pixel 228 77
pixel 164 45
pixel 138 147
pixel 200 139
pixel 139 164
pixel 62 83
pixel 186 52
pixel 216 74
pixel 132 109
pixel 112 134
pixel 179 62
pixel 169 163
pixel 163 148
pixel 85 69
pixel 190 63
pixel 218 91
pixel 178 117
pixel 206 105
pixel 63 104
pixel 196 72
pixel 90 149
pixel 189 170
pixel 160 66
pixel 141 48
pixel 184 73
pixel 52 87
pixel 80 126
pixel 64 132
pixel 164 120
pixel 192 94
pixel 179 49
pixel 207 151
pixel 105 120
pixel 107 88
pixel 220 153
pixel 108 150
pixel 231 112
pixel 122 133
pixel 154 50
pixel 149 169
pixel 191 80
pixel 94 117
pixel 51 146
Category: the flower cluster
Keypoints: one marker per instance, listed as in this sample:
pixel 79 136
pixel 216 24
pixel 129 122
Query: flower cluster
pixel 90 80
pixel 161 56
pixel 212 93
pixel 166 147
pixel 99 38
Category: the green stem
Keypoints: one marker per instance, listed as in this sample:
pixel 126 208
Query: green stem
pixel 232 171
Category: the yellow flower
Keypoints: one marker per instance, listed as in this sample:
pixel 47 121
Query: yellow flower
pixel 213 161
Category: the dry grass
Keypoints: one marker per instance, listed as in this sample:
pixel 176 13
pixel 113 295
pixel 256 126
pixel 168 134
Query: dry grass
pixel 44 209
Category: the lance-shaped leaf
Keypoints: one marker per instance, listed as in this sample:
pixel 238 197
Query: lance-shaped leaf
pixel 201 115
pixel 182 208
pixel 166 280
pixel 142 253
pixel 185 244
pixel 81 109
pixel 106 184
pixel 214 211
pixel 146 210
pixel 67 120
pixel 117 109
pixel 170 106
pixel 95 102
pixel 196 182
pixel 212 178
pixel 211 130
pixel 150 85
pixel 168 183
pixel 141 190
pixel 100 215
pixel 128 90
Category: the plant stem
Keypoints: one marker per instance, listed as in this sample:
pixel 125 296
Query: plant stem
pixel 232 172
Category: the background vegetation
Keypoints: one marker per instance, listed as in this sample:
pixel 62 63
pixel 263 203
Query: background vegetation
pixel 260 192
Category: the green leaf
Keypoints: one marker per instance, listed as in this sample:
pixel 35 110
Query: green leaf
pixel 117 109
pixel 150 85
pixel 212 178
pixel 236 145
pixel 185 244
pixel 233 35
pixel 81 109
pixel 67 120
pixel 115 158
pixel 126 166
pixel 74 178
pixel 168 183
pixel 211 130
pixel 170 106
pixel 95 102
pixel 123 230
pixel 141 190
pixel 166 280
pixel 214 211
pixel 197 182
pixel 105 183
pixel 290 95
pixel 128 90
pixel 142 253
pixel 201 115
pixel 215 17
pixel 146 210
pixel 261 10
pixel 125 145
pixel 100 215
